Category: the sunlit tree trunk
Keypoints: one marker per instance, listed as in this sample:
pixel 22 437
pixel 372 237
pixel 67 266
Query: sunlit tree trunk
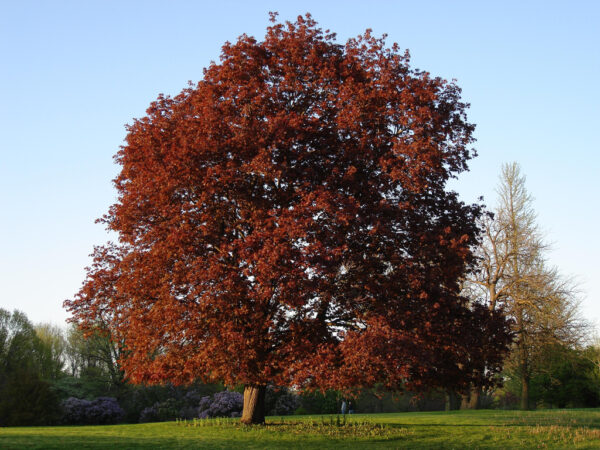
pixel 472 400
pixel 254 405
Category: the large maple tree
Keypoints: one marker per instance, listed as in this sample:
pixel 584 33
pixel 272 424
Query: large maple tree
pixel 287 221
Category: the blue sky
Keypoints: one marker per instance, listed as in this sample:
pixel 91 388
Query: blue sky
pixel 74 73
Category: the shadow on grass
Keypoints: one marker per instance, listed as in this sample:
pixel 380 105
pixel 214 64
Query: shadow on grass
pixel 93 442
pixel 83 441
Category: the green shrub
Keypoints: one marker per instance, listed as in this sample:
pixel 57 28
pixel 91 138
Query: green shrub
pixel 25 399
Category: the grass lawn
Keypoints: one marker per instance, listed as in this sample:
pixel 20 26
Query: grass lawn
pixel 457 429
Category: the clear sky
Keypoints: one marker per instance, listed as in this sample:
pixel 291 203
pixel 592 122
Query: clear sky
pixel 72 74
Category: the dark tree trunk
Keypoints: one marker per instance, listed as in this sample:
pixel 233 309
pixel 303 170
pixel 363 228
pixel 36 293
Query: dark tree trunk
pixel 254 405
pixel 465 401
pixel 524 363
pixel 452 400
pixel 525 392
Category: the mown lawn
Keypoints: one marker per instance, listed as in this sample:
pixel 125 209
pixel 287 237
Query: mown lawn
pixel 458 429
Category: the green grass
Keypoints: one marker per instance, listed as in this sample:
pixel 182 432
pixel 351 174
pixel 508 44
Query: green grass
pixel 458 429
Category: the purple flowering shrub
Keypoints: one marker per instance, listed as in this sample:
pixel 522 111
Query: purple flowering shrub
pixel 74 411
pixel 204 404
pixel 100 411
pixel 104 411
pixel 221 404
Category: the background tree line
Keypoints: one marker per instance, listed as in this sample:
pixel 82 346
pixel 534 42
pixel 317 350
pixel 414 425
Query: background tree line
pixel 48 375
pixel 46 370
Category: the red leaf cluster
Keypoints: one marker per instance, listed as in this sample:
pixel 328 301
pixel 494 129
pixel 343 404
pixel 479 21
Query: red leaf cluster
pixel 286 220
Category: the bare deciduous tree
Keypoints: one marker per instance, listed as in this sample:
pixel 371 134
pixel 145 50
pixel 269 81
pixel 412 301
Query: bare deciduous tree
pixel 513 274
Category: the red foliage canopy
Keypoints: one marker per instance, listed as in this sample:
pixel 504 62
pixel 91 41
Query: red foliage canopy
pixel 286 220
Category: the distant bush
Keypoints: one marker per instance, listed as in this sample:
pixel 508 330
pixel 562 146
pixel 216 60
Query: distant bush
pixel 221 404
pixel 100 411
pixel 25 399
pixel 286 404
pixel 301 411
pixel 317 402
pixel 280 401
pixel 104 411
pixel 189 409
pixel 161 411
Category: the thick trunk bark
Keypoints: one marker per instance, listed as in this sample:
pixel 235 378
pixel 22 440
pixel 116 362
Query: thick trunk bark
pixel 471 400
pixel 475 401
pixel 254 405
